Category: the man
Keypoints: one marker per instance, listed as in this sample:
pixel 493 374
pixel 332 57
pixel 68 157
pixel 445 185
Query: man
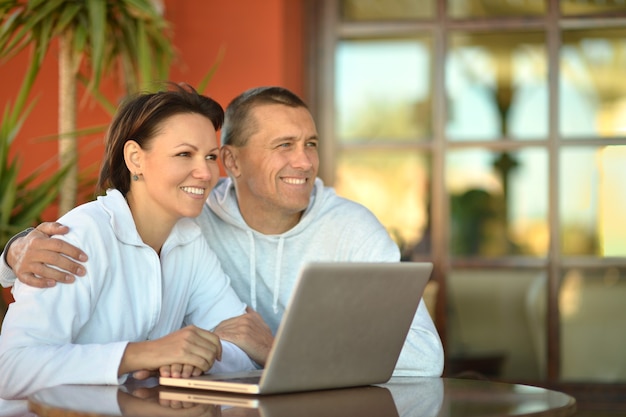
pixel 270 216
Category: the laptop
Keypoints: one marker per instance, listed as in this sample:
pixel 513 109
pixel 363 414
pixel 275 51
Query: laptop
pixel 368 401
pixel 344 326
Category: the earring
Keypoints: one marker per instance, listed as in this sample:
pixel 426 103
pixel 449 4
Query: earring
pixel 135 177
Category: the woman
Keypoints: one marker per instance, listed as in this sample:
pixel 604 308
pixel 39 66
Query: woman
pixel 150 271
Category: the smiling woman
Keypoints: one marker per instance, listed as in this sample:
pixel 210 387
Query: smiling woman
pixel 145 253
pixel 172 174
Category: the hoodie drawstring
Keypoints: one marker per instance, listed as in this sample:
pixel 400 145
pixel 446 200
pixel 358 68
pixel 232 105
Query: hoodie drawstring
pixel 277 269
pixel 279 260
pixel 252 270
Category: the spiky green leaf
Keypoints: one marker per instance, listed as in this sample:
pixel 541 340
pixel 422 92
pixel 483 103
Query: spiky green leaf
pixel 97 12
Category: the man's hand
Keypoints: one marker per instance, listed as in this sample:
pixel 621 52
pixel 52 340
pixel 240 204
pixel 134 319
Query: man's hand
pixel 31 255
pixel 250 333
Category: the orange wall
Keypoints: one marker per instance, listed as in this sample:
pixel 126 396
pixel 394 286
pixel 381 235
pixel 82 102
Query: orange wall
pixel 257 38
pixel 262 44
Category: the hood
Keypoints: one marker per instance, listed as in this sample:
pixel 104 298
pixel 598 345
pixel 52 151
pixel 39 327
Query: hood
pixel 223 202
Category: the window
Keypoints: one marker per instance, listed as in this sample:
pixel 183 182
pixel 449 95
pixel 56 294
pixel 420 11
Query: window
pixel 489 137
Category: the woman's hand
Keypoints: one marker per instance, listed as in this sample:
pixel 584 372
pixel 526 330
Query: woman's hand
pixel 183 353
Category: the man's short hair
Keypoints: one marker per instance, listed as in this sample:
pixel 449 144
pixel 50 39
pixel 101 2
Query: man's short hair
pixel 239 125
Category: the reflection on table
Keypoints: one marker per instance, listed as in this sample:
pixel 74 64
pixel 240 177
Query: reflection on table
pixel 400 397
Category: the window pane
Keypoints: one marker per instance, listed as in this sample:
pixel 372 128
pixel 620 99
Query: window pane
pixel 383 89
pixel 493 327
pixel 592 201
pixel 578 7
pixel 496 85
pixel 495 8
pixel 498 202
pixel 593 329
pixel 395 185
pixel 593 87
pixel 387 9
pixel 593 332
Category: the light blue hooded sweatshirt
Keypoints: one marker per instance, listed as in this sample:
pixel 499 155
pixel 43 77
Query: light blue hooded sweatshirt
pixel 264 268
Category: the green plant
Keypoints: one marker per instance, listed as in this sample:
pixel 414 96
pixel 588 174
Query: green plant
pixel 23 200
pixel 130 36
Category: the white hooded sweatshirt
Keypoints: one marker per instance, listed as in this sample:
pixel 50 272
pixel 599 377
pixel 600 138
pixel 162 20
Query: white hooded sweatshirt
pixel 264 268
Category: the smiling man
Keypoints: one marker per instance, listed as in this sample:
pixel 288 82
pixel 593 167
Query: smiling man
pixel 273 168
pixel 273 215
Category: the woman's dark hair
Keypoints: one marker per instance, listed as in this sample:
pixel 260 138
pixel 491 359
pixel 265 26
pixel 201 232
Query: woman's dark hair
pixel 139 118
pixel 239 126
